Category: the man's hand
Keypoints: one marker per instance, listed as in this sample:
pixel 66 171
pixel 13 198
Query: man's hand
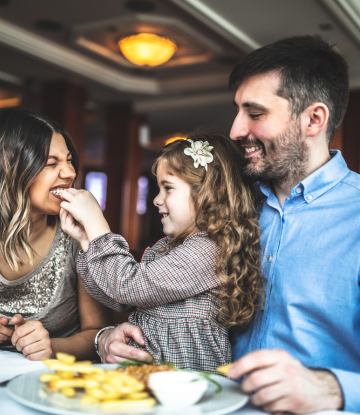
pixel 5 332
pixel 280 383
pixel 113 344
pixel 31 339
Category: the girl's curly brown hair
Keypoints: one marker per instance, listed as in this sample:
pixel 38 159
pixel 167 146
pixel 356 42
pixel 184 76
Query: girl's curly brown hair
pixel 225 206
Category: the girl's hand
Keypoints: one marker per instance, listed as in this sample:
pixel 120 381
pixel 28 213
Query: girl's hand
pixel 85 209
pixel 74 229
pixel 31 339
pixel 5 332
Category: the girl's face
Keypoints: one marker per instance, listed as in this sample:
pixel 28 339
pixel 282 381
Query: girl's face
pixel 58 174
pixel 174 202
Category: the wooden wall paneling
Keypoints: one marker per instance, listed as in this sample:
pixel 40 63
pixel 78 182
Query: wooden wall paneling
pixel 129 216
pixel 351 132
pixel 118 120
pixel 64 102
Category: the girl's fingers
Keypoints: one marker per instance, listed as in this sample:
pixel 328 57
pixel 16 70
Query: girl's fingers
pixel 65 205
pixel 68 194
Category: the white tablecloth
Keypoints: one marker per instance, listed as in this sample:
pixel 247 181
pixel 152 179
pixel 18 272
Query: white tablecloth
pixel 15 364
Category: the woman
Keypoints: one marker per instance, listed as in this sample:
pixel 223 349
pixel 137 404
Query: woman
pixel 44 308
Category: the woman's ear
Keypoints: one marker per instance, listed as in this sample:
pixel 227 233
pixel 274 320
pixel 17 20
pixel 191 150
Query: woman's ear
pixel 316 118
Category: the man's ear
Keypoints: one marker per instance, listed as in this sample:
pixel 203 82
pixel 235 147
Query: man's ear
pixel 316 117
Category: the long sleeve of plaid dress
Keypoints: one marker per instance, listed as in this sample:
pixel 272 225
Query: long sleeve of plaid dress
pixel 172 293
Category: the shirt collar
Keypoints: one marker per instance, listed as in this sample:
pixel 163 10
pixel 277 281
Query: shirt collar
pixel 319 182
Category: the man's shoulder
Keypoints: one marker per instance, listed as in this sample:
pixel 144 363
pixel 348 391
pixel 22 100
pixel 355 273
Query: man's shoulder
pixel 352 179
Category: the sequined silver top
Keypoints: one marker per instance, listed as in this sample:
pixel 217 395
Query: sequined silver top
pixel 48 293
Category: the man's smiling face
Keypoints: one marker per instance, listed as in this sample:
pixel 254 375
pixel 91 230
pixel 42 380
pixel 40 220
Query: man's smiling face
pixel 269 136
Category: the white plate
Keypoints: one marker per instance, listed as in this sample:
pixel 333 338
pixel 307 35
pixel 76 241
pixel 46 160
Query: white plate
pixel 25 390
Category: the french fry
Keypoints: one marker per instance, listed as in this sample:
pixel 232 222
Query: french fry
pixel 64 375
pixel 137 396
pixel 224 369
pixel 65 358
pixel 76 367
pixel 128 404
pixel 72 383
pixel 49 377
pixel 68 392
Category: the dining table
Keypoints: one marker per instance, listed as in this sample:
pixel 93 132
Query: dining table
pixel 14 364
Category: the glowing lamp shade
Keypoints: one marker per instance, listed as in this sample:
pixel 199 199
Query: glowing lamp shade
pixel 147 49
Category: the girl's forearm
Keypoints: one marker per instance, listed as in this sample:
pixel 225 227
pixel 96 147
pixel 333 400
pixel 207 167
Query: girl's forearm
pixel 96 227
pixel 80 345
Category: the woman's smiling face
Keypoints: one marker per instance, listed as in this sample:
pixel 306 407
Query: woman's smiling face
pixel 174 202
pixel 58 174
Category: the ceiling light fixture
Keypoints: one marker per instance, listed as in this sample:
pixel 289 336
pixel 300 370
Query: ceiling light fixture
pixel 147 49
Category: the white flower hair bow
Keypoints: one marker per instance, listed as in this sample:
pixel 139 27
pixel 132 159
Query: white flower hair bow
pixel 200 152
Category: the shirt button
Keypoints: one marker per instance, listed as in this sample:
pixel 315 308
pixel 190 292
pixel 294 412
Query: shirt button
pixel 269 258
pixel 309 197
pixel 161 250
pixel 298 190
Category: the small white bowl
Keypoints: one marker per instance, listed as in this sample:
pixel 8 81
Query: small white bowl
pixel 177 389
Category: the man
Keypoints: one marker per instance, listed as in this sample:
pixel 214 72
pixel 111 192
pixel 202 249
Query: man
pixel 302 352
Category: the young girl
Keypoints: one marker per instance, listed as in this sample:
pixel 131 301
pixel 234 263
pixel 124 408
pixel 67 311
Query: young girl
pixel 203 278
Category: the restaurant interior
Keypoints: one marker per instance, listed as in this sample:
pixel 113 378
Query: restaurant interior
pixel 124 77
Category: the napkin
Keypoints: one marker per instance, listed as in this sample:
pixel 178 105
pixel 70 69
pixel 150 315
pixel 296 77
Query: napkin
pixel 15 364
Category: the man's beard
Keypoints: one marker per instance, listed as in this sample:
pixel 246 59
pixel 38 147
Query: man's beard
pixel 284 160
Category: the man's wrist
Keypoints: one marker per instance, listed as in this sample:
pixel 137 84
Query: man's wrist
pixel 333 392
pixel 97 337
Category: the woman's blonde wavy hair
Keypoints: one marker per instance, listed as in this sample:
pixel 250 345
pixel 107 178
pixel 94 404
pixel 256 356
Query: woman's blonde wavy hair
pixel 25 139
pixel 225 209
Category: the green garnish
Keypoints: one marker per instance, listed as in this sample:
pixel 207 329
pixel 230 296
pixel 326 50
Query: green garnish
pixel 207 375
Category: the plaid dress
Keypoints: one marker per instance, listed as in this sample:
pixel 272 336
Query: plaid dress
pixel 171 293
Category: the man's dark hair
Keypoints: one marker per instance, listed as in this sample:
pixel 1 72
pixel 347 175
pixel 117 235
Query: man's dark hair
pixel 310 71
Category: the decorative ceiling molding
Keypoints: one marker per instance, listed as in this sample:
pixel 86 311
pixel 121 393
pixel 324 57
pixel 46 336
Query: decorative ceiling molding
pixel 196 83
pixel 347 12
pixel 73 61
pixel 211 18
pixel 34 45
pixel 80 29
pixel 200 100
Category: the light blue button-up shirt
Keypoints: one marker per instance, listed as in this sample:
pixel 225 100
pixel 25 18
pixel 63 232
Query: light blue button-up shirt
pixel 311 261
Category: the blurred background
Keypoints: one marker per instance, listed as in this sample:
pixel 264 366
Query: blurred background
pixel 125 76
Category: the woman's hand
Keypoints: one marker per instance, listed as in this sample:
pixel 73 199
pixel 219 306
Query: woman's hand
pixel 74 229
pixel 84 208
pixel 31 339
pixel 5 332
